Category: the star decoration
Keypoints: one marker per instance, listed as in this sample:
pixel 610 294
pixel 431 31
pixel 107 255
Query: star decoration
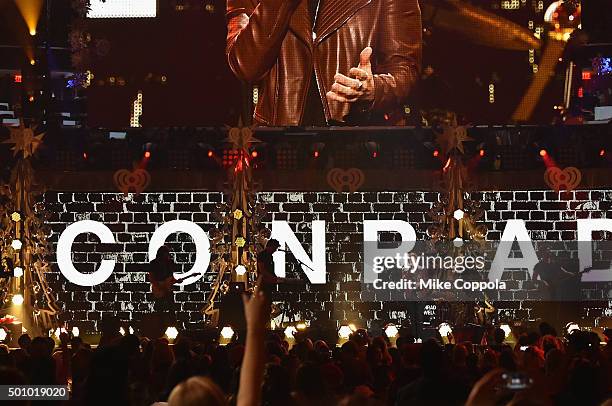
pixel 24 140
pixel 237 214
pixel 16 217
pixel 452 137
pixel 240 242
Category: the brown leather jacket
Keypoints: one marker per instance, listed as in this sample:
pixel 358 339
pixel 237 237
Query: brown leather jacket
pixel 270 43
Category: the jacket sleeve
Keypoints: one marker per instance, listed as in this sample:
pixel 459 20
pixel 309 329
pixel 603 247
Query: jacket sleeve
pixel 398 54
pixel 255 34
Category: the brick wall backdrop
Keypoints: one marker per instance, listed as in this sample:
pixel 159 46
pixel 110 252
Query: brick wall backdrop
pixel 548 215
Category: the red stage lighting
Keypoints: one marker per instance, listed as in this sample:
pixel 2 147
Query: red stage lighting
pixel 586 75
pixel 481 152
pixel 436 153
pixel 84 155
pixel 254 154
pixel 374 154
pixel 316 154
pixel 17 78
pixel 543 152
pixel 602 152
pixel 210 153
pixel 147 154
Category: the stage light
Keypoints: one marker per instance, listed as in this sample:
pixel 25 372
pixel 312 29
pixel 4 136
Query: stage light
pixel 210 153
pixel 254 154
pixel 290 332
pixel 85 155
pixel 32 62
pixel 352 327
pixel 16 216
pixel 147 154
pixel 344 332
pixel 458 214
pixel 121 331
pixel 18 272
pixel 602 152
pixel 75 331
pixel 317 148
pixel 240 270
pixel 17 300
pixel 32 32
pixel 436 153
pixel 17 78
pixel 445 329
pixel 571 327
pixel 171 332
pixel 227 333
pixel 16 245
pixel 458 242
pixel 31 99
pixel 3 334
pixel 301 326
pixel 506 328
pixel 316 154
pixel 373 148
pixel 481 152
pixel 391 331
pixel 131 330
pixel 543 152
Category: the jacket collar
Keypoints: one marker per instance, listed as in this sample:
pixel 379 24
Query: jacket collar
pixel 332 15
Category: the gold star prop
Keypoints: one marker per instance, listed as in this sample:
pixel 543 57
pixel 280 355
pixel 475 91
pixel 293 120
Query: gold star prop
pixel 24 140
pixel 452 137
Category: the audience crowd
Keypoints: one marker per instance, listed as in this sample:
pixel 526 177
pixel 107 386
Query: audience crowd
pixel 541 369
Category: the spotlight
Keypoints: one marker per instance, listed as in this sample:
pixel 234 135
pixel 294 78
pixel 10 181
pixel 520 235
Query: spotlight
pixel 506 328
pixel 3 334
pixel 543 152
pixel 75 331
pixel 481 152
pixel 254 154
pixel 571 327
pixel 445 329
pixel 602 152
pixel 121 331
pixel 344 332
pixel 210 153
pixel 33 32
pixel 171 333
pixel 85 155
pixel 32 62
pixel 436 153
pixel 458 214
pixel 18 272
pixel 373 149
pixel 290 332
pixel 17 300
pixel 147 154
pixel 227 333
pixel 391 331
pixel 301 326
pixel 317 148
pixel 16 245
pixel 240 270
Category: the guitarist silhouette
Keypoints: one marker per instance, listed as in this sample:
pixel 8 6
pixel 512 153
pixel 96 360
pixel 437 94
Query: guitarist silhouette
pixel 161 276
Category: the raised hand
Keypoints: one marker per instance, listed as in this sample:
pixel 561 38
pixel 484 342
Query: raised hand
pixel 358 86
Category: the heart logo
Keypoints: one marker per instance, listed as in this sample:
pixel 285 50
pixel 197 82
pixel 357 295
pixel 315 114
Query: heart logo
pixel 567 179
pixel 135 181
pixel 351 178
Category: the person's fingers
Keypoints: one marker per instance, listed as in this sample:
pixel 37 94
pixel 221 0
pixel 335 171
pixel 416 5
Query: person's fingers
pixel 358 73
pixel 346 81
pixel 344 90
pixel 335 97
pixel 364 58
